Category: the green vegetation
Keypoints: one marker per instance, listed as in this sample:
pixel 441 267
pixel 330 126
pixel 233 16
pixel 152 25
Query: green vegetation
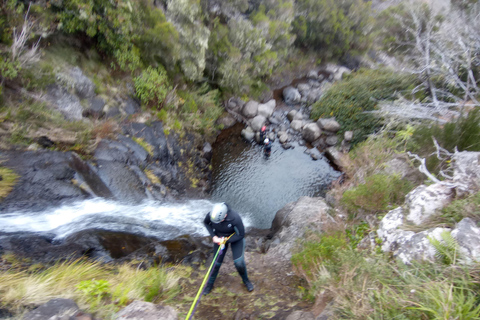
pixel 95 287
pixel 367 285
pixel 378 194
pixel 348 101
pixel 8 178
pixel 336 27
pixel 152 87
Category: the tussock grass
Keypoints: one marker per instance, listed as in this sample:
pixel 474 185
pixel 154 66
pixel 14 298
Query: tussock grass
pixel 369 285
pixel 79 280
pixel 7 181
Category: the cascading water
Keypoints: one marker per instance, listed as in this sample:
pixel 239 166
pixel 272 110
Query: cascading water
pixel 150 219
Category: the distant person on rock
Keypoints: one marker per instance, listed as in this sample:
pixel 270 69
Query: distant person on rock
pixel 263 134
pixel 267 147
pixel 222 222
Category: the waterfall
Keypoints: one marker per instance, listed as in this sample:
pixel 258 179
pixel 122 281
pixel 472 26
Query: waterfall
pixel 152 219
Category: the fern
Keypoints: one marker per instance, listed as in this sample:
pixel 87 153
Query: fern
pixel 447 249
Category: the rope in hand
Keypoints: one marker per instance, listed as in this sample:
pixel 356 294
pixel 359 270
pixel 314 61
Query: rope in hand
pixel 205 279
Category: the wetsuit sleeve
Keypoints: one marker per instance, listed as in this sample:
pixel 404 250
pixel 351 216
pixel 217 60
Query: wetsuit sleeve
pixel 208 225
pixel 239 230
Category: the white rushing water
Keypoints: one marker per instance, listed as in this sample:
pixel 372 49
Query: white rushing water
pixel 153 219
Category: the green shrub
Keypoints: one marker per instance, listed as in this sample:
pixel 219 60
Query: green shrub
pixel 349 100
pixel 7 181
pixel 152 87
pixel 379 193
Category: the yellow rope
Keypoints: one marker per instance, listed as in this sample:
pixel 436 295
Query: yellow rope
pixel 220 247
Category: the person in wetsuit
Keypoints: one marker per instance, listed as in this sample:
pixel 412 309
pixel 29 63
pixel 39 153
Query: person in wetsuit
pixel 267 147
pixel 222 222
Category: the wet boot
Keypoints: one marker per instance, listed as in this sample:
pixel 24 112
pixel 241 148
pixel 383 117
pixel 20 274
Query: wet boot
pixel 242 271
pixel 211 280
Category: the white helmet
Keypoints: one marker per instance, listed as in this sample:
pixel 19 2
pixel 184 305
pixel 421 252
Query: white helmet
pixel 219 212
pixel 266 141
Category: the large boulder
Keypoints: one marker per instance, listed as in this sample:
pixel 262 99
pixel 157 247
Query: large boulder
pixel 66 103
pixel 296 125
pixel 291 222
pixel 266 109
pixel 84 87
pixel 423 201
pixel 226 121
pixel 467 234
pixel 258 122
pixel 141 310
pixel 54 309
pixel 328 124
pixel 291 95
pixel 250 109
pixel 311 132
pixel 248 134
pixel 466 176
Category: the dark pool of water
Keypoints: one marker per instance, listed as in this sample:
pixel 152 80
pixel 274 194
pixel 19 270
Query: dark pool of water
pixel 257 187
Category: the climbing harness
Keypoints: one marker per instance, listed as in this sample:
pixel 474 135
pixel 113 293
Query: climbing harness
pixel 207 276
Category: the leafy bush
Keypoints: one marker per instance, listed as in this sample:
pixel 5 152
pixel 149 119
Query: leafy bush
pixel 446 250
pixel 152 87
pixel 349 100
pixel 377 194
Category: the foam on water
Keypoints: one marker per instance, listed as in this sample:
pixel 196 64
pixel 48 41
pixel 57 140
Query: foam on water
pixel 160 220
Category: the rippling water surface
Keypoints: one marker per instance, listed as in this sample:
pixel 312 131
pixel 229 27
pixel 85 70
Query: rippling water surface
pixel 258 187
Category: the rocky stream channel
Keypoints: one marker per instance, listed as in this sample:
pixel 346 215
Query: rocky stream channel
pixel 108 206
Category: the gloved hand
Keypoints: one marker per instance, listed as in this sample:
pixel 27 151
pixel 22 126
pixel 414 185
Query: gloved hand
pixel 218 240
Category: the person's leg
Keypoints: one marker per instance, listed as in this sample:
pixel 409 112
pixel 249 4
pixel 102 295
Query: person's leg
pixel 216 268
pixel 238 250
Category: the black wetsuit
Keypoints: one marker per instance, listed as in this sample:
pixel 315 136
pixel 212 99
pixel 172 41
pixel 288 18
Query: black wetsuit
pixel 232 223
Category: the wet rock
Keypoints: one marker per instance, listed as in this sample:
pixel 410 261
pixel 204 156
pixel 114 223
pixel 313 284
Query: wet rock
pixel 258 122
pixel 291 95
pixel 283 137
pixel 311 132
pixel 248 134
pixel 153 136
pixel 141 310
pixel 123 183
pixel 296 125
pixel 54 309
pixel 46 179
pixel 250 109
pixel 291 114
pixel 266 109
